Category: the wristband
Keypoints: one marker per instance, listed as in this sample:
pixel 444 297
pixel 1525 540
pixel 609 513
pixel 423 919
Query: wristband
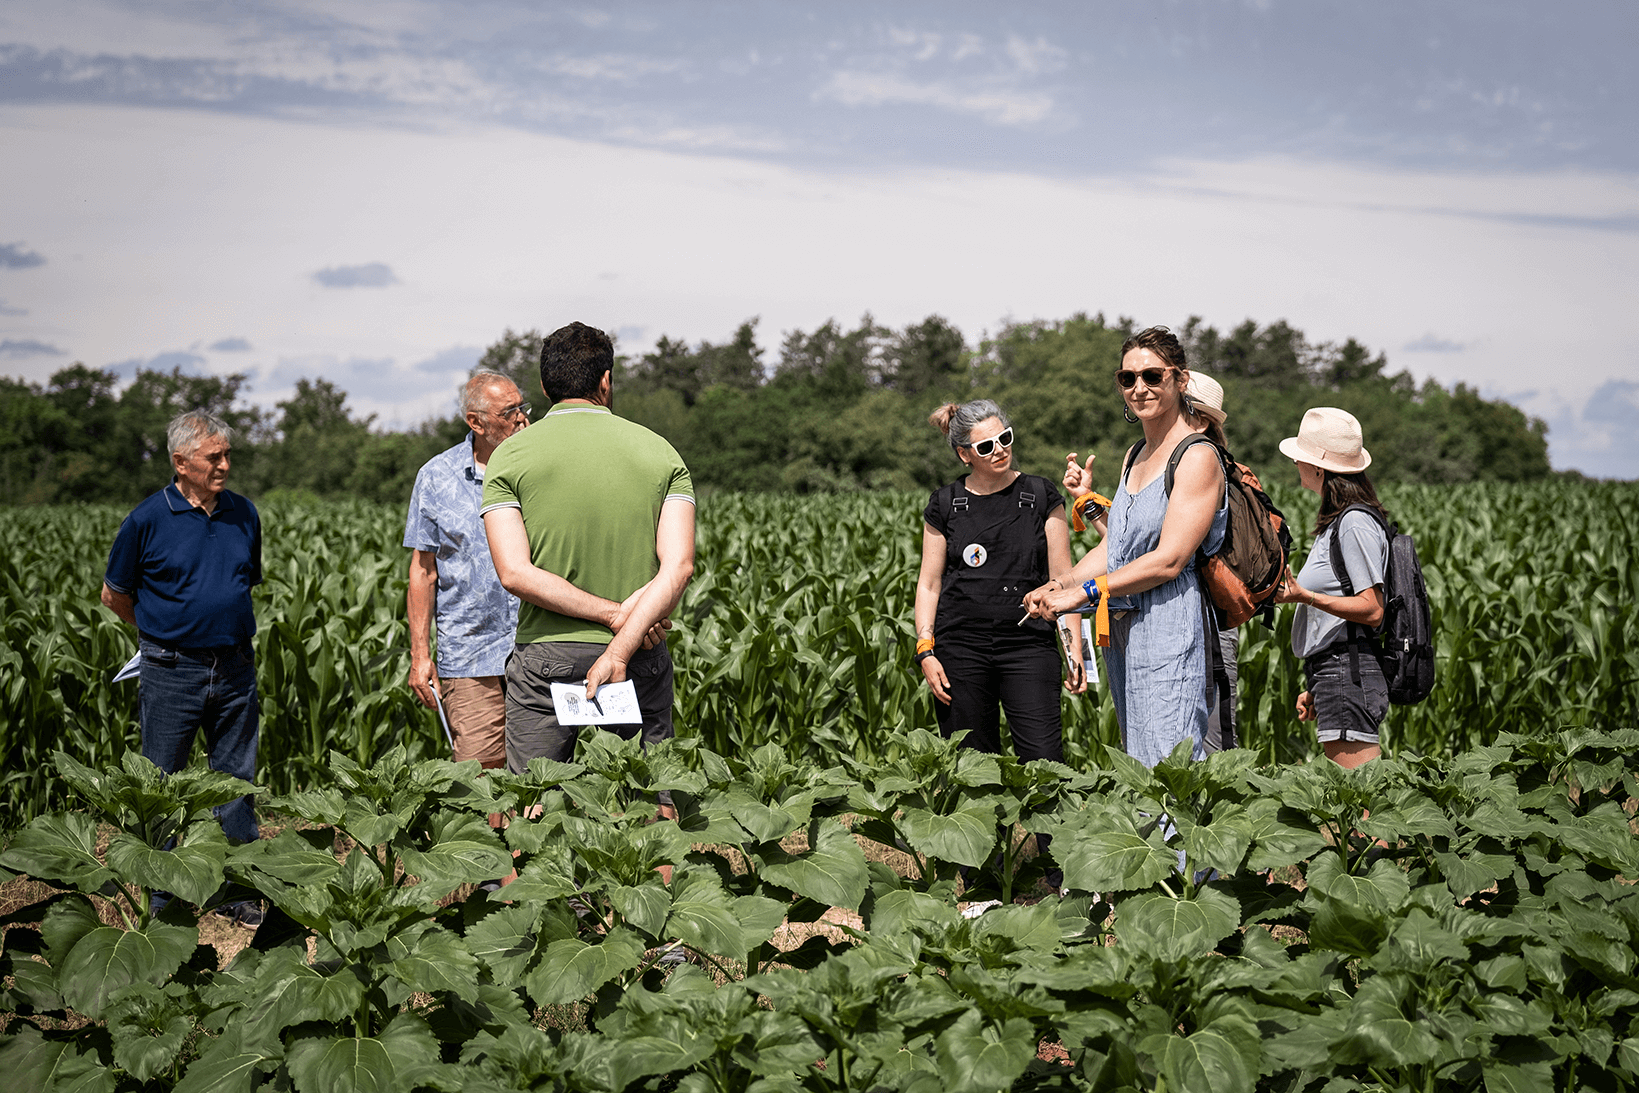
pixel 1092 592
pixel 924 644
pixel 923 655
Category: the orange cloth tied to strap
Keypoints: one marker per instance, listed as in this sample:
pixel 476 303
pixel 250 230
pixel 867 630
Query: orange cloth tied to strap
pixel 1101 616
pixel 1078 511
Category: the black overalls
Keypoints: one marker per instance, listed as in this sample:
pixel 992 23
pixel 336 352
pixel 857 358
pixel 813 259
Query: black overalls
pixel 996 551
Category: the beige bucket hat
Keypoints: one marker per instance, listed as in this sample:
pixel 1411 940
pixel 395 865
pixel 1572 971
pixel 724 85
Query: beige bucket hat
pixel 1207 394
pixel 1330 439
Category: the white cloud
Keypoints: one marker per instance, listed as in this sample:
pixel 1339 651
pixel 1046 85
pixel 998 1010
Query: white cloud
pixel 1000 106
pixel 506 229
pixel 1035 57
pixel 1432 343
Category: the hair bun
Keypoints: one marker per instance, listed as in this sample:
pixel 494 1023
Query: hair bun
pixel 940 418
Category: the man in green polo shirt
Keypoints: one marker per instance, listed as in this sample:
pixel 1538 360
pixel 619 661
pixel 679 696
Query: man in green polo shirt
pixel 590 520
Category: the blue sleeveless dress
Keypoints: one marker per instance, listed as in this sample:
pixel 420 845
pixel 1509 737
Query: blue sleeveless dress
pixel 1158 662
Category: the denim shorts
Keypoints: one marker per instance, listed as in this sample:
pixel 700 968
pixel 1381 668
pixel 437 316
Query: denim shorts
pixel 1344 711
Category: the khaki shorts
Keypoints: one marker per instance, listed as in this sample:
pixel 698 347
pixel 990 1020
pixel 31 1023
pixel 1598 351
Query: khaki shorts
pixel 477 713
pixel 532 729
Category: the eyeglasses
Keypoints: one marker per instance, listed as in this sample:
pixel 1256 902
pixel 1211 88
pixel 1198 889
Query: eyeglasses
pixel 1002 439
pixel 1152 376
pixel 513 411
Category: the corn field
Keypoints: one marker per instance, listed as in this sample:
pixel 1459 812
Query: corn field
pixel 797 630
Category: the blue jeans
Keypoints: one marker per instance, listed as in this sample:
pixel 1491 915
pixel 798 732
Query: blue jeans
pixel 184 690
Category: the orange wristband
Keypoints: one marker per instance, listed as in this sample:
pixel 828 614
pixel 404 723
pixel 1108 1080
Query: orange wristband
pixel 924 645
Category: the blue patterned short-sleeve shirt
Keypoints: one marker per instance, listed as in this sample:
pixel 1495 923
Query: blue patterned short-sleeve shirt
pixel 477 618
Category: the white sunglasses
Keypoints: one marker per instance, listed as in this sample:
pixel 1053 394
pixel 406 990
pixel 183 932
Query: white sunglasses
pixel 1003 439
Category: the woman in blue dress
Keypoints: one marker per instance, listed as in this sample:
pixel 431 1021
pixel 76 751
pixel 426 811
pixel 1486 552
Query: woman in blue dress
pixel 1158 659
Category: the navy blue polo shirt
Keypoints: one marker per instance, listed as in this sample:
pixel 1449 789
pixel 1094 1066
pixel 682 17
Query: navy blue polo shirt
pixel 191 574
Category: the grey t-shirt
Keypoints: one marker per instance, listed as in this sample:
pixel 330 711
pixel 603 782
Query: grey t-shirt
pixel 1365 555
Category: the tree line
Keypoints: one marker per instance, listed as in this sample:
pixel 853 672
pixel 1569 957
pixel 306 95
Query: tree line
pixel 836 409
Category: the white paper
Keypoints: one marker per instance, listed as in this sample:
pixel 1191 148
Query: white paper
pixel 1089 652
pixel 132 668
pixel 615 704
pixel 444 718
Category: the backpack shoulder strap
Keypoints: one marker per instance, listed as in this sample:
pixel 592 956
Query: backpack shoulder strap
pixel 1355 632
pixel 1127 462
pixel 1178 454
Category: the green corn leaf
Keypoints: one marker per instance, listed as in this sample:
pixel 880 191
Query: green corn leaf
pixel 106 959
pixel 571 969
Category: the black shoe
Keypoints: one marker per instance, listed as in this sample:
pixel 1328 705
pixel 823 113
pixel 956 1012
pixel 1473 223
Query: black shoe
pixel 246 912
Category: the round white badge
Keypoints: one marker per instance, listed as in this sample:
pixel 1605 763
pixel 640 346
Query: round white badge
pixel 975 555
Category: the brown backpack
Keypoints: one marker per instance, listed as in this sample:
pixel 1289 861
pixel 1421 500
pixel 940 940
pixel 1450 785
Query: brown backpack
pixel 1241 577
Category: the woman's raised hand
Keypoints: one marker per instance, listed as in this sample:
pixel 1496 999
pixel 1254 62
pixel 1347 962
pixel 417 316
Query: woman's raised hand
pixel 1078 479
pixel 1289 591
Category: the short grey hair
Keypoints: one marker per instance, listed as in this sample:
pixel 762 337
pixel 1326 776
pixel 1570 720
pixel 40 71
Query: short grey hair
pixel 192 428
pixel 958 426
pixel 472 390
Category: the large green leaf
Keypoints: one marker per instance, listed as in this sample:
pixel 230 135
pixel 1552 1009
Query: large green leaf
pixel 571 969
pixel 289 857
pixel 966 836
pixel 435 961
pixel 546 877
pixel 975 1057
pixel 33 1064
pixel 404 1052
pixel 106 959
pixel 504 941
pixel 759 917
pixel 148 1027
pixel 1177 929
pixel 702 915
pixel 1380 1033
pixel 64 924
pixel 644 906
pixel 1112 861
pixel 227 1067
pixel 1223 1057
pixel 832 871
pixel 192 870
pixel 1219 845
pixel 464 850
pixel 61 847
pixel 896 911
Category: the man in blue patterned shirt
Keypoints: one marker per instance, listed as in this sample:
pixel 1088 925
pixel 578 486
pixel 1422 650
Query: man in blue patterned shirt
pixel 453 577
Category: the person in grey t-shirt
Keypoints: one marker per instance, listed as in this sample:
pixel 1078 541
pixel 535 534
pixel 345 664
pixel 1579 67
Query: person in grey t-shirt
pixel 1347 696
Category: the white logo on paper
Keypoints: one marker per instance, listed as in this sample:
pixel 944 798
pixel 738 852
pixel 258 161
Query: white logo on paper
pixel 975 555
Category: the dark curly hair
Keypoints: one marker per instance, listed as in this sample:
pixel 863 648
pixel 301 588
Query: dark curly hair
pixel 573 360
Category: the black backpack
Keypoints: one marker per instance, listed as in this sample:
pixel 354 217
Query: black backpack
pixel 1404 643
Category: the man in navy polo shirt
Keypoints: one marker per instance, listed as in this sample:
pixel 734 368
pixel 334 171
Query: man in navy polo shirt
pixel 181 572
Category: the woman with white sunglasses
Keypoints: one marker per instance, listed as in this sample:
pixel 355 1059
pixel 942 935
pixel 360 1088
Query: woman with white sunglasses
pixel 1140 580
pixel 987 539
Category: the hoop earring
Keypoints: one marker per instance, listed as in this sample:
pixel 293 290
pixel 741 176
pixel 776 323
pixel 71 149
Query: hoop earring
pixel 1126 412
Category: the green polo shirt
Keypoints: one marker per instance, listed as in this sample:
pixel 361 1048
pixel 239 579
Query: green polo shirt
pixel 590 486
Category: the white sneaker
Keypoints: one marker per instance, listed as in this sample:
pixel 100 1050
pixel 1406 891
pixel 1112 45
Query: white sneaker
pixel 974 910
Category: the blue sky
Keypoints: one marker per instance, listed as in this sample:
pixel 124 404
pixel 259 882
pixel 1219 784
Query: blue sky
pixel 372 192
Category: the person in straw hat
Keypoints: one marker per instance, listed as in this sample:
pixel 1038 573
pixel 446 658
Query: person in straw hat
pixel 1347 696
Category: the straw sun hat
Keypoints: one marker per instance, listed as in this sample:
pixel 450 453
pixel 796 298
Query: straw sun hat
pixel 1330 439
pixel 1207 394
